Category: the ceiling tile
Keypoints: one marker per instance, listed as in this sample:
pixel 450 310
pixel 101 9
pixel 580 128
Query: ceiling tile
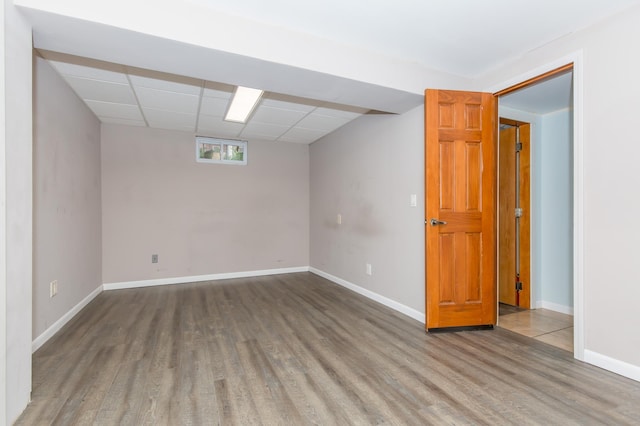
pixel 89 72
pixel 216 107
pixel 211 93
pixel 301 135
pixel 278 116
pixel 168 101
pixel 325 123
pixel 169 86
pixel 100 90
pixel 217 127
pixel 170 119
pixel 263 131
pixel 110 120
pixel 114 110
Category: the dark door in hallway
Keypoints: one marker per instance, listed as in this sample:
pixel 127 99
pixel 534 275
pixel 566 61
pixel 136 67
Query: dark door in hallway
pixel 514 213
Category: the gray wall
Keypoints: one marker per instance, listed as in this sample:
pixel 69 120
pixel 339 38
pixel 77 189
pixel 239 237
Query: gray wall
pixel 199 218
pixel 366 171
pixel 66 197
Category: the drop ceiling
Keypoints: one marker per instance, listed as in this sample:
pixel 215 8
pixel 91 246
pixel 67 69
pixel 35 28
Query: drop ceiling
pixel 121 95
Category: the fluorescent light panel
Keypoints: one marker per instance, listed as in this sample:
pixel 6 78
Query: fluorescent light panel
pixel 244 101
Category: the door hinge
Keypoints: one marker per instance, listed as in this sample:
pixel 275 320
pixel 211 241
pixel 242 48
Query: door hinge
pixel 518 285
pixel 519 212
pixel 519 147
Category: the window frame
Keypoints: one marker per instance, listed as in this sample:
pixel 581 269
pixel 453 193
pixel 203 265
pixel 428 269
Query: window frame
pixel 223 143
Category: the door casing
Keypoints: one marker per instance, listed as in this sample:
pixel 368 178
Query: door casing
pixel 575 61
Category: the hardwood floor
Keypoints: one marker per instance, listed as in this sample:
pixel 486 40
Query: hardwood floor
pixel 297 349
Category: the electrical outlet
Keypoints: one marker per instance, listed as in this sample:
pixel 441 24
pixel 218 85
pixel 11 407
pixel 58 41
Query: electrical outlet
pixel 368 270
pixel 154 258
pixel 53 288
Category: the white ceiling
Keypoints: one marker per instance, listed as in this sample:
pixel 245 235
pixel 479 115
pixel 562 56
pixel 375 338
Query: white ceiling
pixel 463 37
pixel 548 96
pixel 321 63
pixel 122 95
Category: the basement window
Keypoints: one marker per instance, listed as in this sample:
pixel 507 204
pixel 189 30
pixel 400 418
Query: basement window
pixel 220 151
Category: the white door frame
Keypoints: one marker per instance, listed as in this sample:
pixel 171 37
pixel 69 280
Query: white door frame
pixel 578 183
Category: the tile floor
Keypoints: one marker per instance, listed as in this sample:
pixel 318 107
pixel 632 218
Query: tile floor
pixel 547 326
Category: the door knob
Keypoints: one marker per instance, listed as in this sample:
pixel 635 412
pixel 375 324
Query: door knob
pixel 436 222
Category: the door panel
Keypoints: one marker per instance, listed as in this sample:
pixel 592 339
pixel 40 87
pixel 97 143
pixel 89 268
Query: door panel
pixel 447 174
pixel 460 179
pixel 473 184
pixel 474 267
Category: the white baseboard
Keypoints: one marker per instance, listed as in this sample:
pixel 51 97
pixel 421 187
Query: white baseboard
pixel 56 326
pixel 403 309
pixel 614 365
pixel 196 278
pixel 555 307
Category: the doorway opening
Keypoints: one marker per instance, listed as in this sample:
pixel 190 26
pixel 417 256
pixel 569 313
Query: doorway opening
pixel 536 276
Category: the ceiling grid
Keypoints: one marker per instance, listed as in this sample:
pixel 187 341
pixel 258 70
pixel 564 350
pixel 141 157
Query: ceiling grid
pixel 141 98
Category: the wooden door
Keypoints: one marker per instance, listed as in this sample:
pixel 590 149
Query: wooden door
pixel 460 186
pixel 506 216
pixel 509 176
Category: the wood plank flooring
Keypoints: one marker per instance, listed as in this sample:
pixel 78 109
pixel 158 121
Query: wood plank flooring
pixel 297 349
